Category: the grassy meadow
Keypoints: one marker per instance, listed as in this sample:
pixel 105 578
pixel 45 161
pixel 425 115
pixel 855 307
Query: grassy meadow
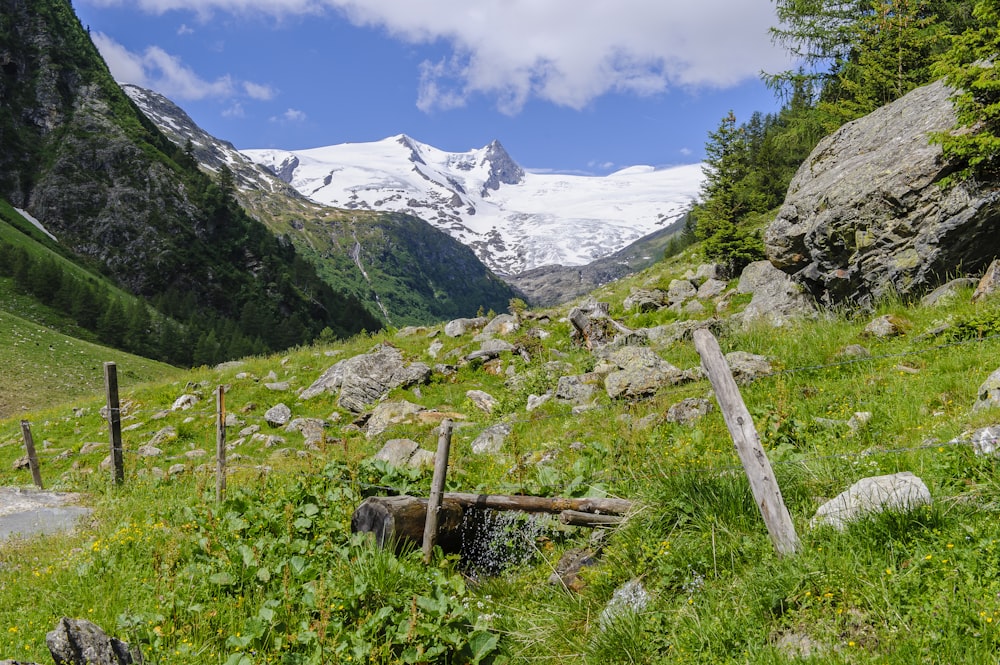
pixel 273 575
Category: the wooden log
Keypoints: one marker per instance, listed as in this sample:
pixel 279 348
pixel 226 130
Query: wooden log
pixel 763 484
pixel 29 447
pixel 114 421
pixel 399 521
pixel 541 504
pixel 577 518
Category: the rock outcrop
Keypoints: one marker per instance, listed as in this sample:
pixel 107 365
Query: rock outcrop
pixel 865 215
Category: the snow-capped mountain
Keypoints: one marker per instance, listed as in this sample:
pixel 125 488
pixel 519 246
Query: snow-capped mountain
pixel 513 219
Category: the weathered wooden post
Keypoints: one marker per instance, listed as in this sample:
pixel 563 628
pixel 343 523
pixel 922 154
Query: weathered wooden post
pixel 437 489
pixel 764 485
pixel 29 446
pixel 114 421
pixel 220 444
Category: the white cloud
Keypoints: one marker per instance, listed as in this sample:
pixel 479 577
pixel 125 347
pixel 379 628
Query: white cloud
pixel 234 111
pixel 258 91
pixel 291 115
pixel 567 52
pixel 686 151
pixel 165 73
pixel 185 29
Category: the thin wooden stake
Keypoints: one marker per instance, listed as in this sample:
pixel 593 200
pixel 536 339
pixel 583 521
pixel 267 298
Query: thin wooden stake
pixel 220 444
pixel 437 489
pixel 29 446
pixel 764 485
pixel 114 421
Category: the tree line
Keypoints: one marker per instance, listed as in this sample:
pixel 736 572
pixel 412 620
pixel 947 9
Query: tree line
pixel 854 56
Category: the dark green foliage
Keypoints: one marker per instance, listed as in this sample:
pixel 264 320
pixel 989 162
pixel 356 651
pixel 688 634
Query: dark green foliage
pixel 970 66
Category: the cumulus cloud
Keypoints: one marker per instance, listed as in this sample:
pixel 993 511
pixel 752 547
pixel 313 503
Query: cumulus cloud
pixel 567 52
pixel 291 115
pixel 156 69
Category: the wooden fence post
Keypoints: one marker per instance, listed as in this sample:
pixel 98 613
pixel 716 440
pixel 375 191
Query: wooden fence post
pixel 114 421
pixel 437 489
pixel 765 488
pixel 220 444
pixel 29 446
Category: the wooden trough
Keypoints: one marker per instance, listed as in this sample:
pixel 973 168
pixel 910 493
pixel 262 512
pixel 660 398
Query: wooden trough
pixel 400 520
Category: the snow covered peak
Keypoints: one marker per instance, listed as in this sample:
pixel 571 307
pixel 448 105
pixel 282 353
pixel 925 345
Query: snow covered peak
pixel 514 220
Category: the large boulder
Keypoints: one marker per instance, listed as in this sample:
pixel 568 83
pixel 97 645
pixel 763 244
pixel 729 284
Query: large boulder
pixel 776 298
pixel 899 492
pixel 640 372
pixel 365 379
pixel 865 215
pixel 80 642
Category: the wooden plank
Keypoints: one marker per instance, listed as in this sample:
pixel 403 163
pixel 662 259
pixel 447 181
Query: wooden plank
pixel 577 518
pixel 114 421
pixel 763 484
pixel 29 447
pixel 437 489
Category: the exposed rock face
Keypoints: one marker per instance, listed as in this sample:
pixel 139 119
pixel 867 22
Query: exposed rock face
pixel 364 379
pixel 80 642
pixel 864 215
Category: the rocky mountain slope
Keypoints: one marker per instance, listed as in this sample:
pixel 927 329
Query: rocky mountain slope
pixel 515 220
pixel 77 154
pixel 405 270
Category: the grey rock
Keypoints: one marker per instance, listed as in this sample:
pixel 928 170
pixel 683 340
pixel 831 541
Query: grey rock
pixel 391 413
pixel 80 642
pixel 482 400
pixel 680 290
pixel 277 386
pixel 163 436
pixel 572 562
pixel 865 215
pixel 149 451
pixel 184 402
pixel 630 598
pixel 985 441
pixel 313 430
pixel 249 430
pixel 579 388
pixel 502 324
pixel 278 415
pixel 435 348
pixel 885 326
pixel 989 393
pixel 410 331
pixel 900 492
pixel 748 367
pixel 947 293
pixel 693 307
pixel 645 300
pixel 365 379
pixel 535 401
pixel 689 410
pixel 708 272
pixel 680 330
pixel 855 351
pixel 232 420
pixel 642 373
pixel 777 299
pixel 459 327
pixel 989 284
pixel 268 440
pixel 405 453
pixel 195 454
pixel 491 440
pixel 176 469
pixel 711 288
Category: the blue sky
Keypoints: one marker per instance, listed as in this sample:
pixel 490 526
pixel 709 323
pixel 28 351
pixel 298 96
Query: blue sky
pixel 566 85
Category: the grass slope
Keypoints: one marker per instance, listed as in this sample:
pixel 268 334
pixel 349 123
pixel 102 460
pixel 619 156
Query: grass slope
pixel 273 575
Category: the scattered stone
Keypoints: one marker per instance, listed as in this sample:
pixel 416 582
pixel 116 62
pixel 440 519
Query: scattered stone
pixel 712 288
pixel 409 331
pixel 278 415
pixel 989 393
pixel 268 440
pixel 249 430
pixel 390 413
pixel 165 435
pixel 777 300
pixel 184 402
pixel 491 439
pixel 897 492
pixel 567 571
pixel 886 326
pixel 148 450
pixel 946 293
pixel 985 441
pixel 855 351
pixel 642 372
pixel 592 323
pixel 680 290
pixel 645 300
pixel 278 386
pixel 502 324
pixel 176 470
pixel 365 379
pixel 405 453
pixel 232 420
pixel 435 348
pixel 748 367
pixel 693 307
pixel 459 327
pixel 990 282
pixel 630 598
pixel 271 376
pixel 708 272
pixel 228 365
pixel 579 388
pixel 197 453
pixel 535 401
pixel 313 431
pixel 482 400
pixel 92 446
pixel 80 642
pixel 21 463
pixel 689 410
